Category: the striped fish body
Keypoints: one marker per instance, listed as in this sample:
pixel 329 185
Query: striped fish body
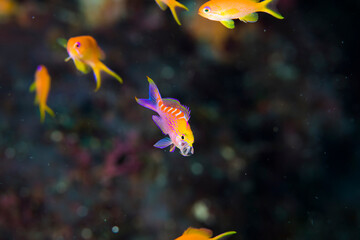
pixel 174 118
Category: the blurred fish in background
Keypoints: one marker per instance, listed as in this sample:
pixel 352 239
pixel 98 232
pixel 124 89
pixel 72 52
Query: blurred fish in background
pixel 7 9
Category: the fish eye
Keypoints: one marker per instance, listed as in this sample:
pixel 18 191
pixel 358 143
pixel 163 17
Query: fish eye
pixel 207 9
pixel 182 137
pixel 77 45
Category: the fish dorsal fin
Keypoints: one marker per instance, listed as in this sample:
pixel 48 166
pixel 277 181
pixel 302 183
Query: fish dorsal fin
pixel 199 231
pixel 170 102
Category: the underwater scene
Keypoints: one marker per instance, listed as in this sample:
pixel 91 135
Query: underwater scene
pixel 179 119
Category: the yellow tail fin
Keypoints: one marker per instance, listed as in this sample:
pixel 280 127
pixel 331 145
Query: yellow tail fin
pixel 49 111
pixel 102 67
pixel 44 109
pixel 269 6
pixel 172 7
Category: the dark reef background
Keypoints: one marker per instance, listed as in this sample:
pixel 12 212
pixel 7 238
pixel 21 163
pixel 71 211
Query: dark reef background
pixel 275 114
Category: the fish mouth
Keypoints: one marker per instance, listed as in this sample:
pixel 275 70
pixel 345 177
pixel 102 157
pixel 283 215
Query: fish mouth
pixel 187 150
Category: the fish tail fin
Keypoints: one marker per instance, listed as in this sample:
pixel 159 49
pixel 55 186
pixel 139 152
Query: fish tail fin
pixel 162 5
pixel 269 6
pixel 97 76
pixel 49 111
pixel 223 235
pixel 42 113
pixel 43 110
pixel 154 97
pixel 172 7
pixel 110 72
pixel 102 67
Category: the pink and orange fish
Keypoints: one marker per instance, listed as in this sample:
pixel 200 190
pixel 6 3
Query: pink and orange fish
pixel 42 87
pixel 225 11
pixel 172 4
pixel 201 234
pixel 173 120
pixel 86 54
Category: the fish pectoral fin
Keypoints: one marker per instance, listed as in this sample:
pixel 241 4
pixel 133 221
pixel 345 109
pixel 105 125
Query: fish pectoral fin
pixel 228 23
pixel 162 5
pixel 163 143
pixel 82 67
pixel 62 42
pixel 251 18
pixel 172 148
pixel 32 87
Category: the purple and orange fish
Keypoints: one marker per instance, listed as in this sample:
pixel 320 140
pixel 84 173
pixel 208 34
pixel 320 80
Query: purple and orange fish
pixel 42 85
pixel 173 120
pixel 86 54
pixel 201 234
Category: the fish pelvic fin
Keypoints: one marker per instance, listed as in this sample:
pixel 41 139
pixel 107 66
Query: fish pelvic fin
pixel 172 7
pixel 223 235
pixel 163 143
pixel 154 97
pixel 269 6
pixel 81 66
pixel 99 66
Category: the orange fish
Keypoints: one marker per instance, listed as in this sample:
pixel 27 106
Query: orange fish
pixel 172 4
pixel 42 86
pixel 201 234
pixel 245 10
pixel 86 53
